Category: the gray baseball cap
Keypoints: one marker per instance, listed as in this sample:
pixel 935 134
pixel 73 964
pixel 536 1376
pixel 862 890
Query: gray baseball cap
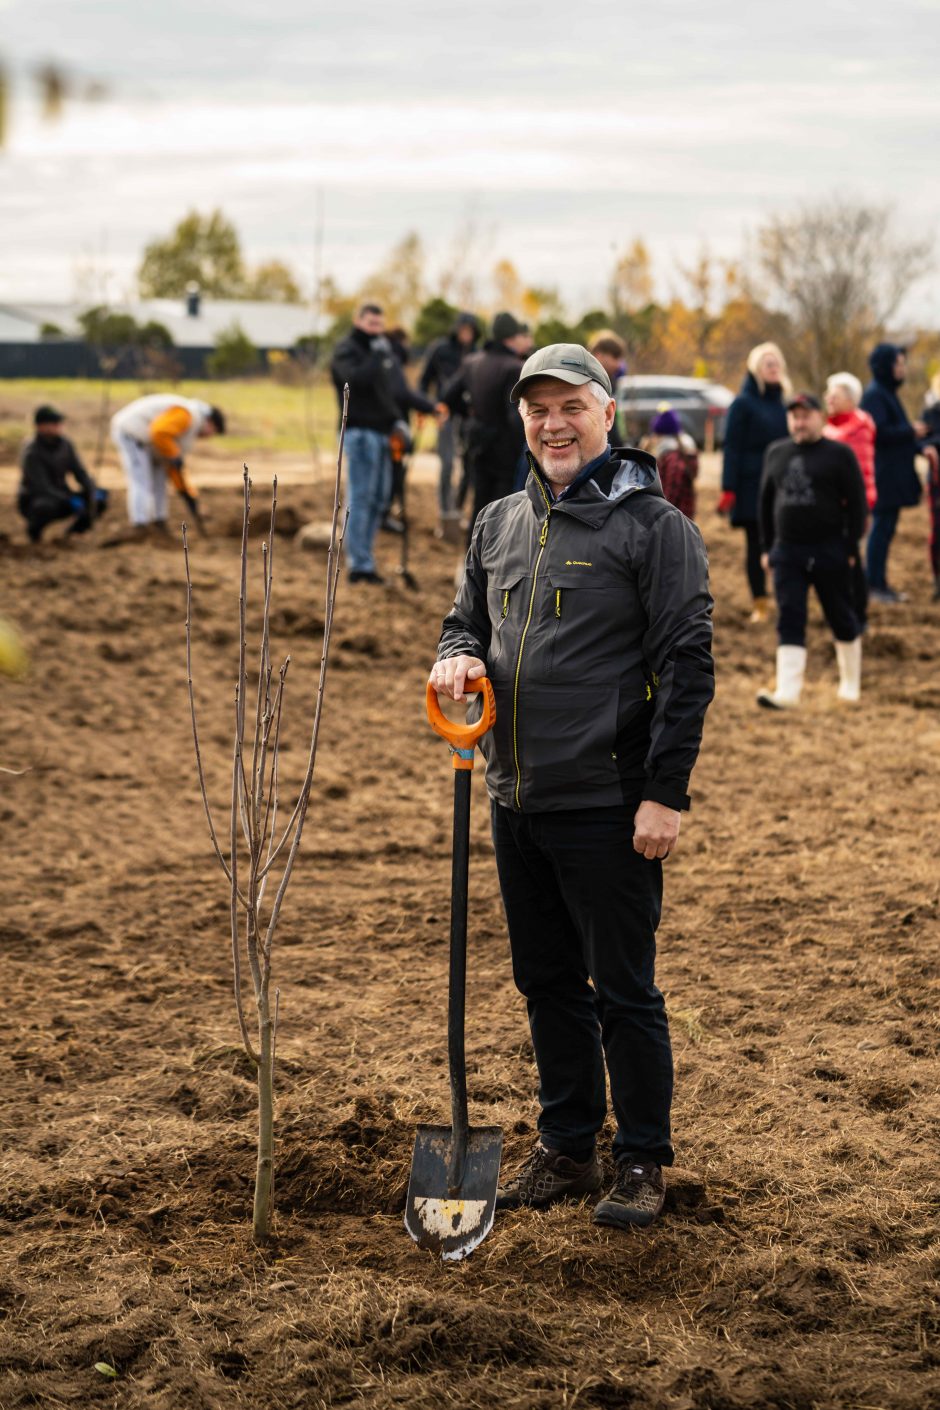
pixel 569 362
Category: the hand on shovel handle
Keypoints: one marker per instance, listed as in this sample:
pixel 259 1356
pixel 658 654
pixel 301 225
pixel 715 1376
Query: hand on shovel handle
pixel 455 1170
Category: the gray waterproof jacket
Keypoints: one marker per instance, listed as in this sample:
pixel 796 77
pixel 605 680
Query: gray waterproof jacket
pixel 593 615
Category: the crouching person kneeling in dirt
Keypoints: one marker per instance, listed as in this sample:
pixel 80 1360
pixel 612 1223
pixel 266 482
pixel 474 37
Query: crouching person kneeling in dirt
pixel 586 602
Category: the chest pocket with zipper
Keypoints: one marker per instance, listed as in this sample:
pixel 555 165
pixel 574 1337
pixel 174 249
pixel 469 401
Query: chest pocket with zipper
pixel 506 602
pixel 595 617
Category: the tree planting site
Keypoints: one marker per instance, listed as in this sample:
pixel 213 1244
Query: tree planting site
pixel 796 1263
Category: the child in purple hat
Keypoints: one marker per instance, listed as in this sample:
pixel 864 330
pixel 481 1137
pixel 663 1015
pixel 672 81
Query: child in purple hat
pixel 676 459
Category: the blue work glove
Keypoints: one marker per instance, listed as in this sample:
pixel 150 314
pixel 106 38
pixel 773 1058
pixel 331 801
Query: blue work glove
pixel 77 503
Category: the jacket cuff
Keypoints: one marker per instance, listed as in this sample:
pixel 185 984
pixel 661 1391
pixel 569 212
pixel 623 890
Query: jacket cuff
pixel 669 795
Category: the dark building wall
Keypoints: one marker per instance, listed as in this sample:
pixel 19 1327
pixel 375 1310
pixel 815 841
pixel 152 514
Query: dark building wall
pixel 62 358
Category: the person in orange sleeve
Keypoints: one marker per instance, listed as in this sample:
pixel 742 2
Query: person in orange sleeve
pixel 153 435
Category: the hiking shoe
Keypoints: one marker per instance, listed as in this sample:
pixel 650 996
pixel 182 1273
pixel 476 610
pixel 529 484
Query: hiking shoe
pixel 548 1176
pixel 636 1196
pixel 886 594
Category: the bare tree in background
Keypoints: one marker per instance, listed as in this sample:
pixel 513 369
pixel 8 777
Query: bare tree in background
pixel 839 272
pixel 265 847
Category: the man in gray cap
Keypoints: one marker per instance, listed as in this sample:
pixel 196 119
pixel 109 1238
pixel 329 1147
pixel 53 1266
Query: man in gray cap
pixel 480 391
pixel 586 602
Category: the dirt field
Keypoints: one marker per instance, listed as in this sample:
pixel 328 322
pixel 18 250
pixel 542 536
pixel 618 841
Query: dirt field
pixel 797 1266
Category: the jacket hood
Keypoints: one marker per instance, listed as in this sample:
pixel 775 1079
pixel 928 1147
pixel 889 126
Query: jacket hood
pixel 467 320
pixel 881 360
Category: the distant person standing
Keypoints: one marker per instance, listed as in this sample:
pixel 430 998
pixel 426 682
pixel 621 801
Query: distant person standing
pixel 55 484
pixel 896 480
pixel 481 392
pixel 756 417
pixel 611 352
pixel 366 361
pixel 676 460
pixel 153 436
pixel 854 428
pixel 812 515
pixel 401 441
pixel 932 452
pixel 443 362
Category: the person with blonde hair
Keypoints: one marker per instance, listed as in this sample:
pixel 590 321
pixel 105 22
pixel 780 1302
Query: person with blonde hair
pixel 756 418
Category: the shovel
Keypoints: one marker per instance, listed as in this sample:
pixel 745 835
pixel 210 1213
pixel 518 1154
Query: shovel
pixel 455 1169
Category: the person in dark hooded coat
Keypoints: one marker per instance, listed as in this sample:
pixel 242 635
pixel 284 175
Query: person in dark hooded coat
pixel 442 364
pixel 756 418
pixel 896 444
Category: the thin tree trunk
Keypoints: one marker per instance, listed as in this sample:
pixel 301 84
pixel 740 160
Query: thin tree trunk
pixel 264 1174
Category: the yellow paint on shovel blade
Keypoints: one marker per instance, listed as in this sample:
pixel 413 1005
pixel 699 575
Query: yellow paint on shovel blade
pixel 449 1218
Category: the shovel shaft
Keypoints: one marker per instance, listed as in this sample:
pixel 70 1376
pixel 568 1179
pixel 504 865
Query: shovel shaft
pixel 458 976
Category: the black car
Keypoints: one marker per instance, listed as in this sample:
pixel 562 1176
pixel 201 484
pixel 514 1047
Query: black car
pixel 700 405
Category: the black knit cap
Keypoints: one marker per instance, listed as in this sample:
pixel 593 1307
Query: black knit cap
pixel 47 416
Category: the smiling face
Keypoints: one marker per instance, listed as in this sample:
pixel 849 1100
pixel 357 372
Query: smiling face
pixel 565 427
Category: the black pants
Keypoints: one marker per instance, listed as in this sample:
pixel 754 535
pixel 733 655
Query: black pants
pixel 860 589
pixel 583 906
pixel 756 579
pixel 825 567
pixel 39 513
pixel 491 459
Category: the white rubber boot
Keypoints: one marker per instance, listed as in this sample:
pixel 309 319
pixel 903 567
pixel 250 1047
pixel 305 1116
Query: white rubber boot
pixel 849 657
pixel 791 668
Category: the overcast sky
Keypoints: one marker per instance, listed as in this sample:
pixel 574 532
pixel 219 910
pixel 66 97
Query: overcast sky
pixel 561 132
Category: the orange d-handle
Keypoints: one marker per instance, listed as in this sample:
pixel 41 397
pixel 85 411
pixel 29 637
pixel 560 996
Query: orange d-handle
pixel 462 738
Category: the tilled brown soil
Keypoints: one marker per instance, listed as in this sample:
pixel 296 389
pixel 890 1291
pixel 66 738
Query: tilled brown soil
pixel 798 1263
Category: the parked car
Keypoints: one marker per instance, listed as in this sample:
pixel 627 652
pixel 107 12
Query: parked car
pixel 700 405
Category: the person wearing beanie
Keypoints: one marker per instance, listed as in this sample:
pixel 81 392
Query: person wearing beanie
pixel 480 392
pixel 443 362
pixel 756 417
pixel 48 463
pixel 812 514
pixel 676 459
pixel 896 482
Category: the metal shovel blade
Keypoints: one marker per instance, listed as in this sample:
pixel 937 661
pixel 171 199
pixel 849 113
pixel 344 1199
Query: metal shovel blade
pixel 452 1220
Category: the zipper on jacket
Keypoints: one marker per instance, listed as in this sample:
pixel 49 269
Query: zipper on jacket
pixel 558 602
pixel 505 602
pixel 515 689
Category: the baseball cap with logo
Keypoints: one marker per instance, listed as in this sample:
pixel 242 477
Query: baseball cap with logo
pixel 569 362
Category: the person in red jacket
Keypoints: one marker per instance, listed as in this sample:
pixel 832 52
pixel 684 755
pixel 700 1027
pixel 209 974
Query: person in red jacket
pixel 856 429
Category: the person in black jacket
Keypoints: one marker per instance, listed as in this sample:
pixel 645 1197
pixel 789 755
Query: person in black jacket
pixel 48 462
pixel 896 444
pixel 443 362
pixel 812 514
pixel 756 417
pixel 585 600
pixel 401 441
pixel 481 391
pixel 377 387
